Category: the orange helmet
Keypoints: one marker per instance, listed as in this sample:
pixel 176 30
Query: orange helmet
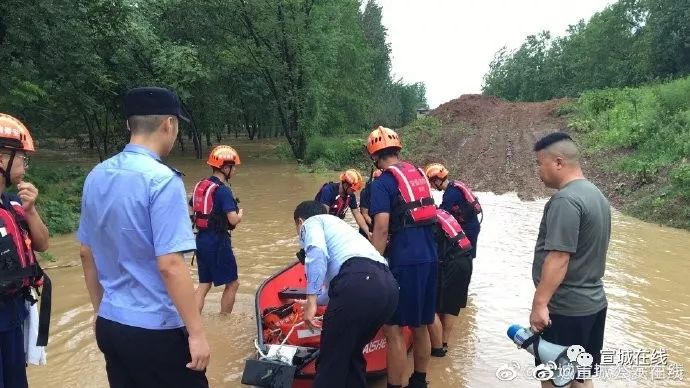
pixel 14 135
pixel 353 178
pixel 436 170
pixel 382 138
pixel 221 155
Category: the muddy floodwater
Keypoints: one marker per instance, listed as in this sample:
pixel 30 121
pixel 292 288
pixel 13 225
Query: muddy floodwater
pixel 647 282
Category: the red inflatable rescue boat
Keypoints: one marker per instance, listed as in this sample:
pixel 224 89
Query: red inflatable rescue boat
pixel 287 350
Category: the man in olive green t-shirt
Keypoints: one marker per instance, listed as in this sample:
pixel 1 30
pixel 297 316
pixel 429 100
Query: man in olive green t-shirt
pixel 570 254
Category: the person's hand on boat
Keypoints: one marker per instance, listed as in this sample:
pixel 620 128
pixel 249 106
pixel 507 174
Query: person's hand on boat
pixel 309 313
pixel 200 352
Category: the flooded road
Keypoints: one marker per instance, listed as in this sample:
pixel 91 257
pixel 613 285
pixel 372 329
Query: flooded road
pixel 647 283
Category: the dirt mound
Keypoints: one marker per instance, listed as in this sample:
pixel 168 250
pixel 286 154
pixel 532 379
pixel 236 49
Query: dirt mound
pixel 493 151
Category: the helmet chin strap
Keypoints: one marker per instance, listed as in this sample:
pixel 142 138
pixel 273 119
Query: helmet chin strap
pixel 376 161
pixel 227 176
pixel 6 172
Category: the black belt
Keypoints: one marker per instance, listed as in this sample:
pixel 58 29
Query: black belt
pixel 361 260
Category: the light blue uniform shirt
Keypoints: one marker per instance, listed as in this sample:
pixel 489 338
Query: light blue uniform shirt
pixel 134 210
pixel 328 242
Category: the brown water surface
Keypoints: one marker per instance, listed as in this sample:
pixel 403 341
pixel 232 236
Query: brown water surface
pixel 647 283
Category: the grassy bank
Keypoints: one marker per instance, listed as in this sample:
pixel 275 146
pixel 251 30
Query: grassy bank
pixel 59 198
pixel 639 140
pixel 336 153
pixel 326 153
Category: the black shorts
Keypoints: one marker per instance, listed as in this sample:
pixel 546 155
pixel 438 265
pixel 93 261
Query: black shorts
pixel 136 357
pixel 454 276
pixel 586 331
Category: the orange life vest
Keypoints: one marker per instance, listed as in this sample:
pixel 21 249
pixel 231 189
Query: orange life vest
pixel 453 231
pixel 19 269
pixel 474 207
pixel 339 207
pixel 416 205
pixel 203 200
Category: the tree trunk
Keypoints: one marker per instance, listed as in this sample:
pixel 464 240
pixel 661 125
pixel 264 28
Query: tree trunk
pixel 208 138
pixel 91 142
pixel 106 137
pixel 196 138
pixel 259 130
pixel 92 135
pixel 247 126
pixel 180 140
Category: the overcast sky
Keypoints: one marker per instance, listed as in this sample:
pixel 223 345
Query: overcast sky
pixel 448 44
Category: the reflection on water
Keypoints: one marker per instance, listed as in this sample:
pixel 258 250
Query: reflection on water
pixel 646 282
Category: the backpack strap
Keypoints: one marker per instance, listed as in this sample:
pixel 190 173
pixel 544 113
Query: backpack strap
pixel 44 312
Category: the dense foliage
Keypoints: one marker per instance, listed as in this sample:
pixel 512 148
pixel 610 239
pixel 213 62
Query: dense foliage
pixel 650 126
pixel 293 68
pixel 631 42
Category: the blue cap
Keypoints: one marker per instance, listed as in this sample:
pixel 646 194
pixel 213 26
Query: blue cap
pixel 148 101
pixel 513 329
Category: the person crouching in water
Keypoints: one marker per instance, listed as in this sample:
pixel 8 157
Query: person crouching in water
pixel 363 293
pixel 215 213
pixel 454 275
pixel 337 197
pixel 463 205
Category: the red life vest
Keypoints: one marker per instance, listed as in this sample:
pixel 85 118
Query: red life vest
pixel 339 207
pixel 202 202
pixel 474 206
pixel 19 270
pixel 417 205
pixel 452 229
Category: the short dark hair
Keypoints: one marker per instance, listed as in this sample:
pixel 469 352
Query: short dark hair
pixel 224 164
pixel 146 124
pixel 550 139
pixel 307 209
pixel 386 152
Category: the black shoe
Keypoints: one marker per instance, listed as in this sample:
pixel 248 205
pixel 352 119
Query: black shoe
pixel 418 384
pixel 438 352
pixel 417 381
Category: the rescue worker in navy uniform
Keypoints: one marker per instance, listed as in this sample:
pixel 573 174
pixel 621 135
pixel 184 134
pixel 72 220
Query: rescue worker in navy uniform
pixel 365 203
pixel 463 205
pixel 361 290
pixel 402 208
pixel 337 197
pixel 215 214
pixel 22 233
pixel 458 200
pixel 454 275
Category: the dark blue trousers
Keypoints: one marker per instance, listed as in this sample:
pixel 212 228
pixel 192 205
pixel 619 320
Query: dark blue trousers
pixel 362 297
pixel 13 359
